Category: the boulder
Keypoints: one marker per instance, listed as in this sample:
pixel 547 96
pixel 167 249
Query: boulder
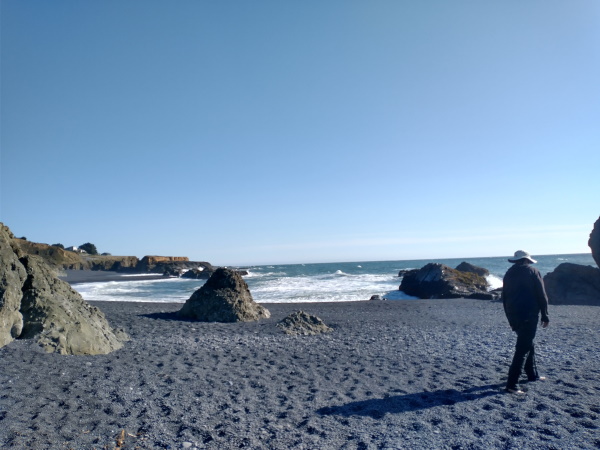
pixel 468 267
pixel 225 297
pixel 59 319
pixel 302 323
pixel 594 242
pixel 52 313
pixel 573 284
pixel 436 280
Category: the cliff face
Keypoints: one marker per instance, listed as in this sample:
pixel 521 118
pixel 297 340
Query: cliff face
pixel 58 259
pixel 148 263
pixel 53 256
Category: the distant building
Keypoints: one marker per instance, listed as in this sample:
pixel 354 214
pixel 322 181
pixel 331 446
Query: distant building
pixel 72 248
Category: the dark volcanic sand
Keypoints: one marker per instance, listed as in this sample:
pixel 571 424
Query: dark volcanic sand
pixel 395 374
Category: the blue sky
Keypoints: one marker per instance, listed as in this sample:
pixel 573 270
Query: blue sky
pixel 261 132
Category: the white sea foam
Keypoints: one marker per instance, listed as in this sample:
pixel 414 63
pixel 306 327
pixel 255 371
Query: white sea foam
pixel 307 282
pixel 140 274
pixel 494 282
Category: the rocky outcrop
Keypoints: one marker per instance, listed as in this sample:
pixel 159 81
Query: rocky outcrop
pixel 59 319
pixel 112 263
pixel 436 280
pixel 302 323
pixel 468 267
pixel 403 272
pixel 594 242
pixel 573 284
pixel 35 304
pixel 61 259
pixel 225 297
pixel 12 277
pixel 53 256
pixel 176 265
pixel 196 274
pixel 155 263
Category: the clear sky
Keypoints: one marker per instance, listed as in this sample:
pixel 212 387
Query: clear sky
pixel 255 132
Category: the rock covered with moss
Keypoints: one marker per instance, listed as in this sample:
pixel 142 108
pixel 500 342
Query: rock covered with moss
pixel 468 267
pixel 35 304
pixel 302 323
pixel 225 297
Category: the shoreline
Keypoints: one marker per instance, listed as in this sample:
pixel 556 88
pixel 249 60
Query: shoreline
pixel 392 374
pixel 101 276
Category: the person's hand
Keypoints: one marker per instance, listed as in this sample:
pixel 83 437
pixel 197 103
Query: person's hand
pixel 545 324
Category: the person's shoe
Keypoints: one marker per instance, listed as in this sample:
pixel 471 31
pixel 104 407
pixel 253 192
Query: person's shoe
pixel 536 379
pixel 515 391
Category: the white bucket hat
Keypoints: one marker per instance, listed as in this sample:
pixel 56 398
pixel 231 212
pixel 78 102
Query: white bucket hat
pixel 521 254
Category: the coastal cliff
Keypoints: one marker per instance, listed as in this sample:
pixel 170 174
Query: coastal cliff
pixel 60 259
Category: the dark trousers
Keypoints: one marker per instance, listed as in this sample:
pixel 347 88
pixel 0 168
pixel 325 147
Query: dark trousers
pixel 524 357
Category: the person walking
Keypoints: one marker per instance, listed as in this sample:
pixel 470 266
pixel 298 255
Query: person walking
pixel 524 298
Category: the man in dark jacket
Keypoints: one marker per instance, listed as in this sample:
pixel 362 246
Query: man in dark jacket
pixel 524 298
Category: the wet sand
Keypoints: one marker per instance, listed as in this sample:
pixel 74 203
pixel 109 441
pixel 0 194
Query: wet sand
pixel 392 374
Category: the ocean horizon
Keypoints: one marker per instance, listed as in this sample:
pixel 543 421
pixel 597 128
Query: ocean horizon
pixel 313 282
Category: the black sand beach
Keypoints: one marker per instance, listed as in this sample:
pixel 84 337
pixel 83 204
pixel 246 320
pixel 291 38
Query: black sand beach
pixel 392 374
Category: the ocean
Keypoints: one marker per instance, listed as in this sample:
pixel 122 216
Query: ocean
pixel 321 282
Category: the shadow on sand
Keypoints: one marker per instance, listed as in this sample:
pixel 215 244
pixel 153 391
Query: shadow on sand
pixel 377 408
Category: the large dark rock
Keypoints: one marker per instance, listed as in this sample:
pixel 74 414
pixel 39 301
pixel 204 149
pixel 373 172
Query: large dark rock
pixel 436 280
pixel 225 297
pixel 302 323
pixel 594 242
pixel 468 267
pixel 35 304
pixel 573 284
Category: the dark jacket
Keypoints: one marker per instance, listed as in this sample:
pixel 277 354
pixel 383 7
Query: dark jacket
pixel 523 295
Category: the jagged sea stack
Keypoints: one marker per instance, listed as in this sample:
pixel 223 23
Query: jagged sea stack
pixel 225 297
pixel 35 304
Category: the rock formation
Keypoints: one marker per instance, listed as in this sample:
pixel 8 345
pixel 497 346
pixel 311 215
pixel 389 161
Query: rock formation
pixel 468 267
pixel 436 280
pixel 573 284
pixel 300 322
pixel 12 277
pixel 35 304
pixel 594 242
pixel 225 297
pixel 155 263
pixel 197 274
pixel 59 258
pixel 403 272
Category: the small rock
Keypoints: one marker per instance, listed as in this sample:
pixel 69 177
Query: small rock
pixel 300 322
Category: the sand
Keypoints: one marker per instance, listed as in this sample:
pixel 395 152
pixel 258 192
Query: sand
pixel 392 374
